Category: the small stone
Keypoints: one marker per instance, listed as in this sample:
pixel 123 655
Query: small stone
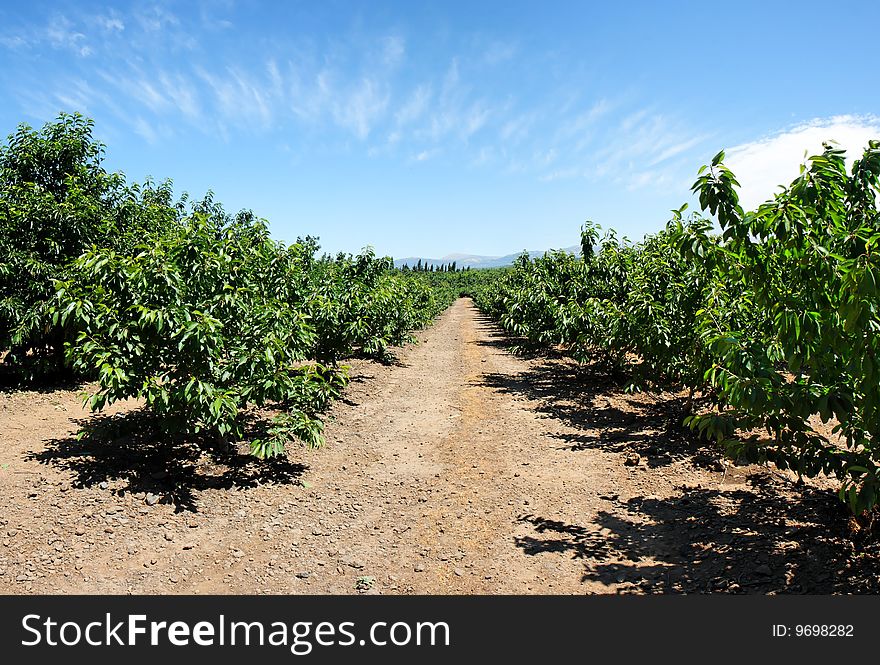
pixel 103 485
pixel 108 529
pixel 237 554
pixel 151 499
pixel 419 568
pixel 80 531
pixel 632 459
pixel 763 569
pixel 458 572
pixel 304 575
pixel 352 562
pixel 168 536
pixel 173 579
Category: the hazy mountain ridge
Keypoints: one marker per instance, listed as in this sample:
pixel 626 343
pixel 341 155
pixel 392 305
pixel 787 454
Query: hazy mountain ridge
pixel 475 260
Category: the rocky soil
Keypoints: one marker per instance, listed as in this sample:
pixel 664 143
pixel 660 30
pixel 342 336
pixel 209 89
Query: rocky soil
pixel 460 469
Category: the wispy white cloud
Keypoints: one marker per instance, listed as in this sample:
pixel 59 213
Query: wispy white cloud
pixel 579 128
pixel 516 129
pixel 455 113
pixel 210 14
pixel 415 106
pixel 651 179
pixel 181 93
pixel 81 36
pixel 156 18
pixel 61 34
pixel 363 94
pixel 393 50
pixel 475 119
pixel 110 22
pixel 546 157
pixel 485 155
pixel 359 108
pixel 240 98
pixel 145 130
pixel 138 87
pixel 13 41
pixel 451 79
pixel 642 140
pixel 676 148
pixel 276 81
pixel 425 155
pixel 762 165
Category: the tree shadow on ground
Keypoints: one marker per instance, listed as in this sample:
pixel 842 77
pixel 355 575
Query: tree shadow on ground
pixel 604 415
pixel 388 358
pixel 127 447
pixel 592 400
pixel 767 537
pixel 518 346
pixel 761 535
pixel 11 383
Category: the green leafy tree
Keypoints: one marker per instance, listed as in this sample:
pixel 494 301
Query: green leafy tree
pixel 800 340
pixel 56 199
pixel 200 321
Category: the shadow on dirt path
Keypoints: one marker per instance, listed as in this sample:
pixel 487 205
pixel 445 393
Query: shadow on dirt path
pixel 462 469
pixel 126 450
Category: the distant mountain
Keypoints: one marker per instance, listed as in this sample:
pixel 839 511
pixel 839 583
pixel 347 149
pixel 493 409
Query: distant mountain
pixel 475 261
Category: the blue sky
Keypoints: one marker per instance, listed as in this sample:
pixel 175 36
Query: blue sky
pixel 426 128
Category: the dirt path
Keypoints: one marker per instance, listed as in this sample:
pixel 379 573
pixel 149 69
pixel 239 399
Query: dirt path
pixel 462 469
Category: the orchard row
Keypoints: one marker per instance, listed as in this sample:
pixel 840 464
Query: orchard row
pixel 197 312
pixel 771 315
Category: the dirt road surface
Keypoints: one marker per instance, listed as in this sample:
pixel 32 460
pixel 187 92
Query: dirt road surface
pixel 461 469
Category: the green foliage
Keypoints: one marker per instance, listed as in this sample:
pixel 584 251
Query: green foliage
pixel 209 316
pixel 56 199
pixel 362 305
pixel 799 340
pixel 616 303
pixel 775 319
pixel 199 321
pixel 202 316
pixel 196 312
pixel 447 286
